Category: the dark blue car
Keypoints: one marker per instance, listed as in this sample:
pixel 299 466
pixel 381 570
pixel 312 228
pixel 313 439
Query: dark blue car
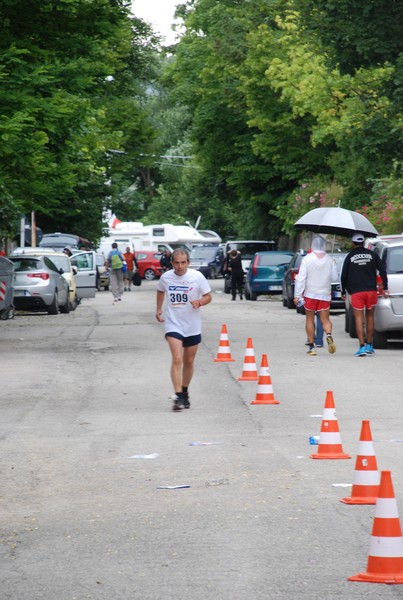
pixel 266 272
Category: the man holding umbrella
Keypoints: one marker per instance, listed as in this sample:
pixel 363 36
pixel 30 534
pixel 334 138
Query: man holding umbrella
pixel 358 277
pixel 314 285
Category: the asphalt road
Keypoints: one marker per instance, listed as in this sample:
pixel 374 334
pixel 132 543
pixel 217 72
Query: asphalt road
pixel 83 394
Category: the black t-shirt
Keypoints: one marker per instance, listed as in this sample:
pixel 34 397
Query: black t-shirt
pixel 359 271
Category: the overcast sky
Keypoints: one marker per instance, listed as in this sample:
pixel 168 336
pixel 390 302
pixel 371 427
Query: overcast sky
pixel 160 13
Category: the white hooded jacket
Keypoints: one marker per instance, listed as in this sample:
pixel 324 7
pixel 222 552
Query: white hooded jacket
pixel 317 273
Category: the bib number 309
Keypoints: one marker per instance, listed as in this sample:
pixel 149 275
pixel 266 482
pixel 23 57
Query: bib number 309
pixel 178 297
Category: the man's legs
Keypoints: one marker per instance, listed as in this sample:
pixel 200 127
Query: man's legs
pixel 189 355
pixel 370 322
pixel 113 283
pixel 310 326
pixel 176 348
pixel 326 322
pixel 359 324
pixel 119 274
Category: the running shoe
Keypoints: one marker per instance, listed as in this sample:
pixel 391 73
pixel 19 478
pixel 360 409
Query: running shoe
pixel 177 402
pixel 361 351
pixel 369 349
pixel 185 399
pixel 312 351
pixel 331 346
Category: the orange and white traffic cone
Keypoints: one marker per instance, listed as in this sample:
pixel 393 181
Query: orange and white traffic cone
pixel 366 475
pixel 329 438
pixel 249 369
pixel 264 394
pixel 385 559
pixel 224 352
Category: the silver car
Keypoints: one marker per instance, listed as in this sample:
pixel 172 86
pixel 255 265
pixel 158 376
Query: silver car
pixel 39 285
pixel 388 311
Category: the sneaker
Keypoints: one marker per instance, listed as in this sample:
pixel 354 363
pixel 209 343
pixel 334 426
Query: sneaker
pixel 312 351
pixel 185 399
pixel 177 402
pixel 361 351
pixel 319 345
pixel 331 346
pixel 369 349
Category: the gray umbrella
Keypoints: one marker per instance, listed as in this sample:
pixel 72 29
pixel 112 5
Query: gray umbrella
pixel 336 220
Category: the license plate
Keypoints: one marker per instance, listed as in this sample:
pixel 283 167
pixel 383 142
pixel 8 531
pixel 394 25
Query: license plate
pixel 21 293
pixel 336 294
pixel 275 288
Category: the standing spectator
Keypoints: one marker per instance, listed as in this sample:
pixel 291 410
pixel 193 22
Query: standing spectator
pixel 131 262
pixel 114 263
pixel 358 277
pixel 186 291
pixel 166 261
pixel 237 274
pixel 314 284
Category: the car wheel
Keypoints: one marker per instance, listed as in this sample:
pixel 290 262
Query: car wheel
pixel 106 288
pixel 149 275
pixel 65 308
pixel 380 340
pixel 74 304
pixel 213 273
pixel 351 324
pixel 227 286
pixel 346 322
pixel 253 296
pixel 247 293
pixel 53 308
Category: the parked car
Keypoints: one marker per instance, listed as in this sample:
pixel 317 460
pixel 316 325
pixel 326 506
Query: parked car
pixel 290 275
pixel 292 271
pixel 102 273
pixel 62 240
pixel 62 262
pixel 83 264
pixel 266 272
pixel 388 314
pixel 207 259
pixel 149 267
pixel 39 285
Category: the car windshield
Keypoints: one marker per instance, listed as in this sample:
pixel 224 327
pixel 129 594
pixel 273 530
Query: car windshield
pixel 206 252
pixel 273 260
pixel 26 264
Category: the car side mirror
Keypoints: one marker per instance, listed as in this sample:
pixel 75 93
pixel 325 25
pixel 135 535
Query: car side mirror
pixel 61 271
pixel 74 269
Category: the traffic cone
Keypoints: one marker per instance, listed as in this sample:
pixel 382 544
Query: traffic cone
pixel 385 559
pixel 329 439
pixel 249 370
pixel 264 394
pixel 366 475
pixel 224 352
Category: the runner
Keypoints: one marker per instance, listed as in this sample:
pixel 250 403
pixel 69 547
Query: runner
pixel 187 291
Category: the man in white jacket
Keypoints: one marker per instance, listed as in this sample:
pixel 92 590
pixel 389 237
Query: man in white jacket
pixel 314 285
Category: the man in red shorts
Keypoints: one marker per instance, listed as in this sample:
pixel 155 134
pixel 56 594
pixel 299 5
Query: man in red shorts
pixel 314 285
pixel 358 277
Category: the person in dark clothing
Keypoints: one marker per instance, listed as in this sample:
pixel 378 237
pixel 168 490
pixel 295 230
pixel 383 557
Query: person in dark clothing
pixel 359 278
pixel 166 261
pixel 237 274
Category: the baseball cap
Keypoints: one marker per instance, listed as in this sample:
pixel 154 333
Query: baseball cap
pixel 357 237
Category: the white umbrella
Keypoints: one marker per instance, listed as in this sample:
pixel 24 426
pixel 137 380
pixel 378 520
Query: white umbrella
pixel 336 220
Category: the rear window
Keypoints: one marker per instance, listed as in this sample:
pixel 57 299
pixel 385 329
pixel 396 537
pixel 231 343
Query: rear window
pixel 141 256
pixel 208 253
pixel 274 260
pixel 26 264
pixel 249 249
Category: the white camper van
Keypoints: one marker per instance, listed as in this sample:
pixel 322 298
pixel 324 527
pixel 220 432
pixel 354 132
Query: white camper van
pixel 155 237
